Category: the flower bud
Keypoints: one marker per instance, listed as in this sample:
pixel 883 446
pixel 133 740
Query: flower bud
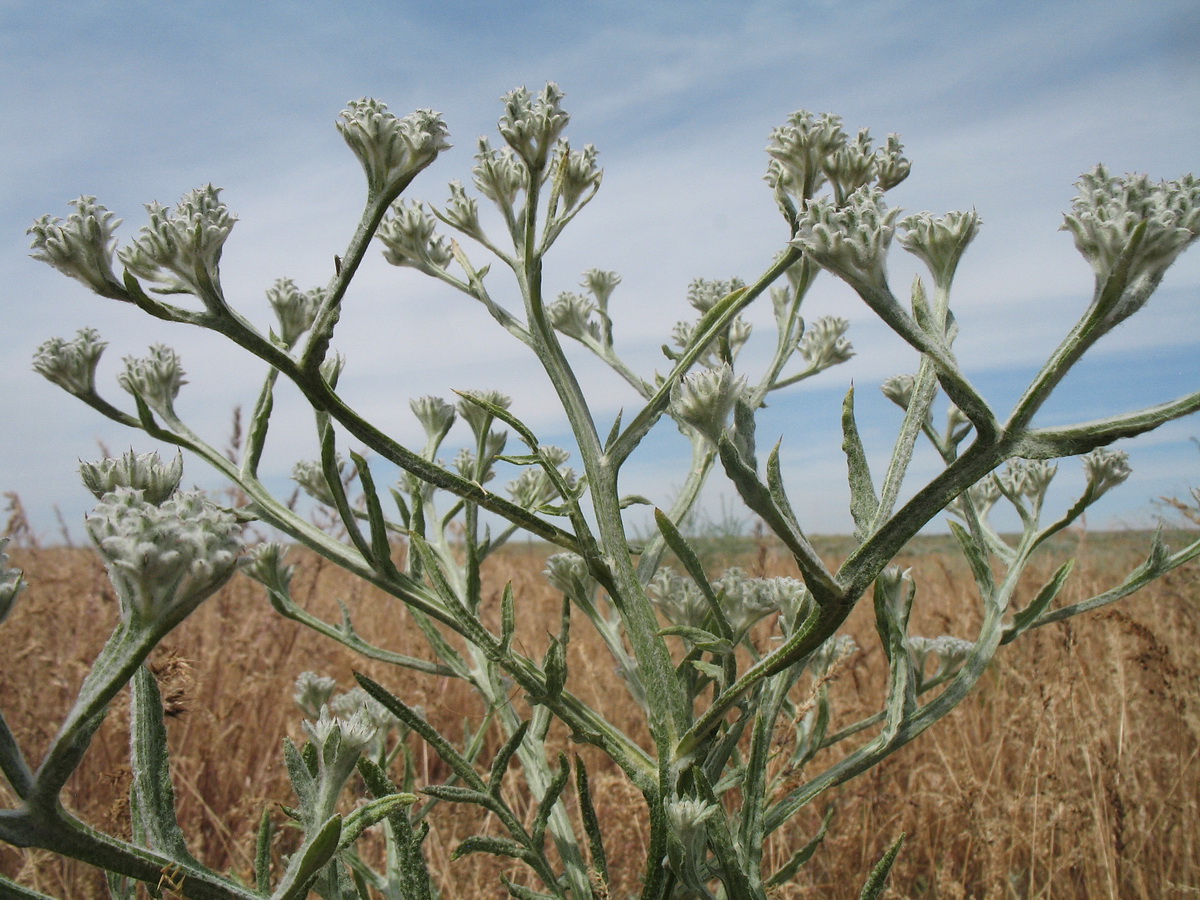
pixel 568 572
pixel 705 399
pixel 499 174
pixel 800 152
pixel 81 247
pixel 180 250
pixel 339 742
pixel 899 389
pixel 571 314
pixel 600 283
pixel 1027 477
pixel 266 566
pixel 409 239
pixel 852 241
pixel 312 692
pixel 295 310
pixel 143 472
pixel 155 378
pixel 310 475
pixel 436 416
pixel 891 166
pixel 12 582
pixel 1129 216
pixel 532 125
pixel 1105 469
pixel 852 165
pixel 392 151
pixel 824 343
pixel 678 598
pixel 71 364
pixel 578 174
pixel 703 294
pixel 462 211
pixel 164 560
pixel 476 416
pixel 939 242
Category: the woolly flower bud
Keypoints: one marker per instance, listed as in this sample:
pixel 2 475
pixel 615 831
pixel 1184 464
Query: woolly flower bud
pixel 310 475
pixel 532 125
pixel 678 598
pixel 948 654
pixel 852 242
pixel 1105 469
pixel 312 691
pixel 600 283
pixel 687 815
pixel 571 314
pixel 533 487
pixel 435 415
pixel 703 294
pixel 12 582
pixel 745 600
pixel 267 567
pixel 939 242
pixel 704 399
pixel 891 166
pixel 1129 224
pixel 392 151
pixel 899 389
pixel 409 239
pixel 852 165
pixel 568 572
pixel 164 560
pixel 578 173
pixel 800 151
pixel 181 249
pixel 476 416
pixel 499 174
pixel 71 364
pixel 462 211
pixel 357 702
pixel 824 343
pixel 143 472
pixel 296 310
pixel 339 742
pixel 156 378
pixel 81 247
pixel 823 658
pixel 1027 477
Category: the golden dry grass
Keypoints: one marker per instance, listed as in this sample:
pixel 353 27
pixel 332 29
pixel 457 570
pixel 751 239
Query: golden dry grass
pixel 1072 773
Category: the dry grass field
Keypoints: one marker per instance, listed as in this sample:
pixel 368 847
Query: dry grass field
pixel 1072 773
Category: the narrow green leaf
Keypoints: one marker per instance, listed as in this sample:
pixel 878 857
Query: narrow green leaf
pixel 381 548
pixel 371 813
pixel 1039 604
pixel 591 822
pixel 878 880
pixel 454 793
pixel 683 550
pixel 503 757
pixel 10 890
pixel 153 795
pixel 976 557
pixel 262 853
pixel 863 500
pixel 497 846
pixel 553 792
pixel 508 619
pixel 524 893
pixel 309 860
pixel 699 637
pixel 803 855
pixel 12 762
pixel 461 766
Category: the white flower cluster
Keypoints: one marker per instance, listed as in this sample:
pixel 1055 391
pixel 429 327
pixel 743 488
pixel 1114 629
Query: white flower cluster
pixel 392 151
pixel 71 364
pixel 939 242
pixel 143 472
pixel 744 600
pixel 409 238
pixel 532 125
pixel 706 398
pixel 295 309
pixel 180 250
pixel 82 246
pixel 1129 220
pixel 852 240
pixel 824 343
pixel 156 378
pixel 164 559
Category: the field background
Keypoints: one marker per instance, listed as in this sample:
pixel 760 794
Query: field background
pixel 1071 773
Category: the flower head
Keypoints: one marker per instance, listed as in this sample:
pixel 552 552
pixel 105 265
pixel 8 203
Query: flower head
pixel 1132 225
pixel 409 239
pixel 82 246
pixel 295 309
pixel 800 151
pixel 436 416
pixel 477 416
pixel 71 364
pixel 577 174
pixel 531 125
pixel 180 249
pixel 1105 469
pixel 939 242
pixel 824 343
pixel 705 399
pixel 392 151
pixel 164 559
pixel 143 472
pixel 499 174
pixel 312 691
pixel 572 315
pixel 156 378
pixel 851 241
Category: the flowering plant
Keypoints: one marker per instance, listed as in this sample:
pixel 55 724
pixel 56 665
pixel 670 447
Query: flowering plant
pixel 712 699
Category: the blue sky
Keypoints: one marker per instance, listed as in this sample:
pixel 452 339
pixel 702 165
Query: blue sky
pixel 1000 106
